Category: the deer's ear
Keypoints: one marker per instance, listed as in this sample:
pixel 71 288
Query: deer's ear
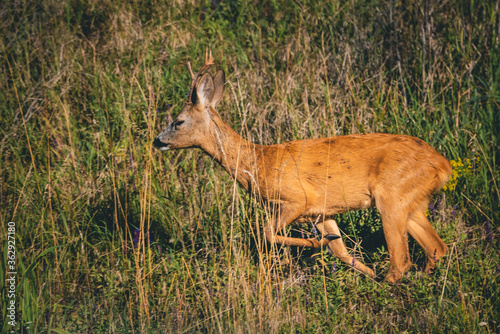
pixel 219 80
pixel 203 91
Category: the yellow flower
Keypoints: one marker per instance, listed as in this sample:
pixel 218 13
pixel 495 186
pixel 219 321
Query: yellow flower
pixel 459 169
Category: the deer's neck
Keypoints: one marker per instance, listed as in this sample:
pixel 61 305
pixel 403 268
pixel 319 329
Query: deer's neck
pixel 237 155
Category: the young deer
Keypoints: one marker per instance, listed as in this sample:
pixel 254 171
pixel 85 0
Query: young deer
pixel 316 179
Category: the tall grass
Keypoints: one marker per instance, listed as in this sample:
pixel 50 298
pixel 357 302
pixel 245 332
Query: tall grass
pixel 113 236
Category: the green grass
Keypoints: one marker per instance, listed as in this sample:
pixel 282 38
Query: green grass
pixel 85 88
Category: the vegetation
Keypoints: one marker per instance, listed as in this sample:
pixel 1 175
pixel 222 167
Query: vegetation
pixel 114 236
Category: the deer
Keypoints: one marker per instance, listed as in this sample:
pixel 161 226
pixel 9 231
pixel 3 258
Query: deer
pixel 316 179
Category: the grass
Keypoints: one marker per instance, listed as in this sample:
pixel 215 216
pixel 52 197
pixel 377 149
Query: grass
pixel 113 236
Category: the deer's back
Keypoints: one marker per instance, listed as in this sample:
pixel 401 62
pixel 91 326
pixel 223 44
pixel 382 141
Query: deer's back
pixel 347 171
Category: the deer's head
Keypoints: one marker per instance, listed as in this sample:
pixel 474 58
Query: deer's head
pixel 191 127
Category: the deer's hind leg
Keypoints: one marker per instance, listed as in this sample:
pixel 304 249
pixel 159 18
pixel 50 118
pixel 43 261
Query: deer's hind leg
pixel 337 246
pixel 421 230
pixel 394 214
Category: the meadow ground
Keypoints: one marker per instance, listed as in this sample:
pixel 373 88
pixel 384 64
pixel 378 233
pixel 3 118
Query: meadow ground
pixel 114 236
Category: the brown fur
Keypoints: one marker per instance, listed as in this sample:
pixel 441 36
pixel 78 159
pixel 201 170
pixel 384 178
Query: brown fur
pixel 320 178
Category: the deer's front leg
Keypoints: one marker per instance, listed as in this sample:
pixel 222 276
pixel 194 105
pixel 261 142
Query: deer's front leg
pixel 286 217
pixel 337 246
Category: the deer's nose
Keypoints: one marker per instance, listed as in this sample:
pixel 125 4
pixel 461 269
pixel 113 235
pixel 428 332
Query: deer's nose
pixel 158 143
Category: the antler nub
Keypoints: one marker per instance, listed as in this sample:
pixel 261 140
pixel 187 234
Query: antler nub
pixel 209 60
pixel 190 70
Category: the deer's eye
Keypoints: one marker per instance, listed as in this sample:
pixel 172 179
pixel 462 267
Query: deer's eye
pixel 177 124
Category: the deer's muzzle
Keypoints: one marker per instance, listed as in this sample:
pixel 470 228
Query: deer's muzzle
pixel 160 145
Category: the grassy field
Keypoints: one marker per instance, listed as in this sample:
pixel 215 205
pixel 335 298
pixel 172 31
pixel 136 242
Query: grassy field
pixel 114 236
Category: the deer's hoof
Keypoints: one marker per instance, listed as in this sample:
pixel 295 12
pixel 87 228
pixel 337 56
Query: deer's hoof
pixel 331 237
